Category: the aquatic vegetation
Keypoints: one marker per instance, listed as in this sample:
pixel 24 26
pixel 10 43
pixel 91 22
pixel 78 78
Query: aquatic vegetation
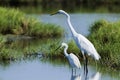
pixel 106 38
pixel 41 30
pixel 13 21
pixel 10 20
pixel 28 47
pixel 16 27
pixel 2 39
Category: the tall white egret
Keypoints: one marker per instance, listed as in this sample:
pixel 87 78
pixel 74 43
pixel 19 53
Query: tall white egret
pixel 86 47
pixel 73 59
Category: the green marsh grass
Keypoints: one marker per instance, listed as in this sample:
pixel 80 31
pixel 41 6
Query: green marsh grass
pixel 106 38
pixel 10 20
pixel 14 24
pixel 41 30
pixel 13 21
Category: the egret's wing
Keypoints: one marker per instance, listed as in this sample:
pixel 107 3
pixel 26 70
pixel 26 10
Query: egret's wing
pixel 87 46
pixel 74 60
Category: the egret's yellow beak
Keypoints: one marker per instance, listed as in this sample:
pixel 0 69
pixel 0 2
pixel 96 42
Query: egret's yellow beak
pixel 54 13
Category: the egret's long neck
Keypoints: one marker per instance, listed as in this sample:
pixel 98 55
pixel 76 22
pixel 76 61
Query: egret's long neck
pixel 65 51
pixel 70 25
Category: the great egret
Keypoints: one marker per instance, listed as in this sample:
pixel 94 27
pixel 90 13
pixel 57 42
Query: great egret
pixel 86 47
pixel 73 59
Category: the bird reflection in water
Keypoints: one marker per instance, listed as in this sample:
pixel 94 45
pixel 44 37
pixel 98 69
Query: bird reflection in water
pixel 75 76
pixel 82 76
pixel 95 76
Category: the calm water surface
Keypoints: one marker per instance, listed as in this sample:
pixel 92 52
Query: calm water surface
pixel 38 69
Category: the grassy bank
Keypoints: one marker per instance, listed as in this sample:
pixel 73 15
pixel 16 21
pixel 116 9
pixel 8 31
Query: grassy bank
pixel 13 21
pixel 16 28
pixel 106 38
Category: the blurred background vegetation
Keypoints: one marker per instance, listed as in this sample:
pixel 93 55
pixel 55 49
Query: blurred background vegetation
pixel 69 5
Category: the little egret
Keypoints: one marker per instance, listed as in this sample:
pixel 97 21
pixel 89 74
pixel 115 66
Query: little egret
pixel 73 59
pixel 86 47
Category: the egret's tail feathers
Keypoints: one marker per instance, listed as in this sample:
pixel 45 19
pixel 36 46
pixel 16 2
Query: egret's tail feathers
pixel 79 66
pixel 97 56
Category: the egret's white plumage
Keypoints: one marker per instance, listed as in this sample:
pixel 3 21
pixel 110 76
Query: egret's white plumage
pixel 73 59
pixel 83 43
pixel 86 46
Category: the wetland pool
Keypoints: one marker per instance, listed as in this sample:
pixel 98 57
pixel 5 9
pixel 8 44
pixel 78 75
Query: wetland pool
pixel 39 70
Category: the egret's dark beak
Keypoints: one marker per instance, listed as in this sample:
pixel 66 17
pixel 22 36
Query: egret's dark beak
pixel 53 13
pixel 57 48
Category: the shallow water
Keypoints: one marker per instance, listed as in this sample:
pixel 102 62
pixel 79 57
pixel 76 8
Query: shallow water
pixel 38 70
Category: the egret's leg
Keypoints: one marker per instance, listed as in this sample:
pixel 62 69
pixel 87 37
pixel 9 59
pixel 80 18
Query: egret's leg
pixel 75 71
pixel 96 64
pixel 72 71
pixel 84 61
pixel 86 65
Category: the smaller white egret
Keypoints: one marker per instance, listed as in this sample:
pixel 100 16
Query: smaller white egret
pixel 73 59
